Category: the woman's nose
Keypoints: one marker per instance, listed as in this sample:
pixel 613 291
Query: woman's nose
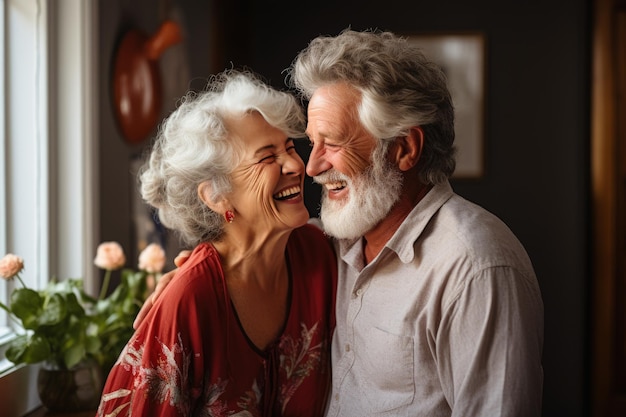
pixel 292 164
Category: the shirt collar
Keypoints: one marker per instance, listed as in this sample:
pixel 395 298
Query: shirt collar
pixel 412 227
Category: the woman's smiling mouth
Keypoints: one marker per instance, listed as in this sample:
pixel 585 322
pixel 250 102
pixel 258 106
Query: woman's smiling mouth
pixel 288 193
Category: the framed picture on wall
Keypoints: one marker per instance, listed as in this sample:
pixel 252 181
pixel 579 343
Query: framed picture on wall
pixel 462 58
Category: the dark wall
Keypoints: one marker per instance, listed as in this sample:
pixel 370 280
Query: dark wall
pixel 536 132
pixel 185 65
pixel 537 135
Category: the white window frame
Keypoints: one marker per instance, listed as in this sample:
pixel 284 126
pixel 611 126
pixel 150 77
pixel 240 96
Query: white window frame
pixel 48 143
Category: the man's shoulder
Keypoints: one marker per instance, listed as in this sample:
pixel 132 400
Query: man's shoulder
pixel 480 234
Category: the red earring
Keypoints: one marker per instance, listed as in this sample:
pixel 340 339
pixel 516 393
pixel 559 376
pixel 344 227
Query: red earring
pixel 229 216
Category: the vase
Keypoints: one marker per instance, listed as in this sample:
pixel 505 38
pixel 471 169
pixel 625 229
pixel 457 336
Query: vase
pixel 76 389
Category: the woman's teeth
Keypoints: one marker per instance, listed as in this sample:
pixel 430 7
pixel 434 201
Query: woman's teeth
pixel 285 194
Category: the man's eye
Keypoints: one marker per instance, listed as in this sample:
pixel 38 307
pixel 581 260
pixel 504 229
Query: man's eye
pixel 291 148
pixel 326 145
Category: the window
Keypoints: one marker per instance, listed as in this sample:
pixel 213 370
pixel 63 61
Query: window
pixel 48 193
pixel 3 216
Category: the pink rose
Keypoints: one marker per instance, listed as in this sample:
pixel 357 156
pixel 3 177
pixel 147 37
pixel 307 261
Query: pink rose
pixel 10 266
pixel 110 256
pixel 152 259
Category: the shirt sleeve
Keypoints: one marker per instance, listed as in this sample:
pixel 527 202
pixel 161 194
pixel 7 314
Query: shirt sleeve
pixel 489 346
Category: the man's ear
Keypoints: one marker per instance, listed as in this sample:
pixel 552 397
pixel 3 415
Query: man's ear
pixel 408 149
pixel 205 190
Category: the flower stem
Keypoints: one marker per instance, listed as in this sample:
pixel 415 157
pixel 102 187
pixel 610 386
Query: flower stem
pixel 20 279
pixel 5 308
pixel 105 284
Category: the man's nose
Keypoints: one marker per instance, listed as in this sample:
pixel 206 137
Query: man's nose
pixel 317 162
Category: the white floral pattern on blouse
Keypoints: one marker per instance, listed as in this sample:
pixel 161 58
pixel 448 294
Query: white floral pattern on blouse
pixel 163 382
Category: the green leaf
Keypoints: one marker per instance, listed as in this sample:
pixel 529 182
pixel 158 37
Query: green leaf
pixel 16 349
pixel 93 344
pixel 28 349
pixel 38 350
pixel 54 311
pixel 26 304
pixel 73 305
pixel 74 355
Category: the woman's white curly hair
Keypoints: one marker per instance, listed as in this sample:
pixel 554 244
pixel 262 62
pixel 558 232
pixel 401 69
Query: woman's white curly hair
pixel 193 145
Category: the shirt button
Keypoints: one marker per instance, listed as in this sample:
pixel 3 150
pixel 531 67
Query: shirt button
pixel 347 347
pixel 336 397
pixel 359 292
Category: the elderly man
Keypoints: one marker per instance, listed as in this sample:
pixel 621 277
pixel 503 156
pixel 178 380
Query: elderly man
pixel 439 312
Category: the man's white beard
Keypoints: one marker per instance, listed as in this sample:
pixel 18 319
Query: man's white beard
pixel 371 196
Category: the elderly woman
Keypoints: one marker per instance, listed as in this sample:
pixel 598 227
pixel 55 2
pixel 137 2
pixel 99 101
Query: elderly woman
pixel 244 329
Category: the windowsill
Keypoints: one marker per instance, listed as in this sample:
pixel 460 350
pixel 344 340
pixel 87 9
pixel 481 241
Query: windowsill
pixel 6 335
pixel 18 390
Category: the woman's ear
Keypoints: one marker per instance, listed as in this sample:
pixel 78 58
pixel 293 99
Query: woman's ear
pixel 205 190
pixel 408 149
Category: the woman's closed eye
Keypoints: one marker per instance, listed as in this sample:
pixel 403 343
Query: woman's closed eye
pixel 271 158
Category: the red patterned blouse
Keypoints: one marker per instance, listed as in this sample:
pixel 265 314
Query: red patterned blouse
pixel 191 357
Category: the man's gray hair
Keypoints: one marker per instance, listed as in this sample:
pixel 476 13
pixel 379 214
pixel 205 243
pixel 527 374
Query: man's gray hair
pixel 400 89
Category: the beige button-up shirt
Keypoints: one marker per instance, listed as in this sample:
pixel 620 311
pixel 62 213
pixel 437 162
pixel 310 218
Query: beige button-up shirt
pixel 446 321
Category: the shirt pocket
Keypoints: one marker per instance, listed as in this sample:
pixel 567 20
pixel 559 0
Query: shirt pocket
pixel 387 365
